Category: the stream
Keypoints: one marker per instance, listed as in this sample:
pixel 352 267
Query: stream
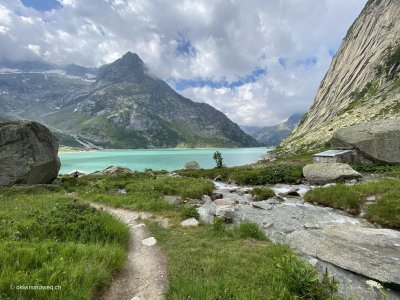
pixel 351 249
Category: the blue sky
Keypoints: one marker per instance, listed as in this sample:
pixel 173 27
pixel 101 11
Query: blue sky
pixel 42 5
pixel 257 61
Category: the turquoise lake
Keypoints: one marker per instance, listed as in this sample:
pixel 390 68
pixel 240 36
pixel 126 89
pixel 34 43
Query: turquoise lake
pixel 160 159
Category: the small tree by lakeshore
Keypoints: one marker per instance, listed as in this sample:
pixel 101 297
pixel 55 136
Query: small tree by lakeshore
pixel 218 159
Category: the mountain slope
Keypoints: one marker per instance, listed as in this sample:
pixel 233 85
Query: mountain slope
pixel 362 82
pixel 124 107
pixel 271 136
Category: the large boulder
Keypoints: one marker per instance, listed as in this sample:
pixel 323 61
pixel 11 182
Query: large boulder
pixel 376 141
pixel 329 172
pixel 116 170
pixel 28 153
pixel 191 165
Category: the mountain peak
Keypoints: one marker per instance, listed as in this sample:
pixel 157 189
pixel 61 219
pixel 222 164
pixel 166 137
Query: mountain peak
pixel 128 68
pixel 131 57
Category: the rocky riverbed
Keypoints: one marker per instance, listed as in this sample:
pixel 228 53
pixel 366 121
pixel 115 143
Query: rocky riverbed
pixel 351 249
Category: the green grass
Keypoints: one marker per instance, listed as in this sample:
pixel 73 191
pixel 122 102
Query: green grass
pixel 262 193
pixel 49 239
pixel 144 191
pixel 190 212
pixel 211 262
pixel 260 175
pixel 80 270
pixel 375 168
pixel 385 211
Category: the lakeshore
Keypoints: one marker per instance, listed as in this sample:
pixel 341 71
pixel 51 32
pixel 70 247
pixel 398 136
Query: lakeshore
pixel 156 159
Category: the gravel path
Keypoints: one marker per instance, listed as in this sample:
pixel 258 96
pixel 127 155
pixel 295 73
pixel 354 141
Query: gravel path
pixel 144 275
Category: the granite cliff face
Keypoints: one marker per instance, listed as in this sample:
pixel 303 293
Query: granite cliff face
pixel 120 105
pixel 362 82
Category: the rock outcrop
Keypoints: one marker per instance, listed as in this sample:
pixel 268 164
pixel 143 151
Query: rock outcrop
pixel 376 141
pixel 329 172
pixel 28 153
pixel 191 165
pixel 116 170
pixel 362 83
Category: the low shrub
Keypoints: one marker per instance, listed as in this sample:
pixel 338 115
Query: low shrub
pixel 218 224
pixel 262 193
pixel 190 212
pixel 299 278
pixel 251 230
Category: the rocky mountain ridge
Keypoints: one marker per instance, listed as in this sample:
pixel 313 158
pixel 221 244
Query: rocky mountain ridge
pixel 362 82
pixel 271 136
pixel 119 105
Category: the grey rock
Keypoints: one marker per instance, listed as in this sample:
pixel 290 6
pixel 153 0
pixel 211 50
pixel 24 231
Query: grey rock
pixel 190 222
pixel 116 170
pixel 215 196
pixel 311 226
pixel 226 201
pixel 151 241
pixel 365 251
pixel 377 141
pixel 293 192
pixel 191 165
pixel 329 172
pixel 262 205
pixel 266 225
pixel 206 198
pixel 173 199
pixel 227 212
pixel 218 178
pixel 28 153
pixel 272 201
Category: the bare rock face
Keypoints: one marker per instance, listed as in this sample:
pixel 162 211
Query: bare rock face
pixel 28 153
pixel 362 81
pixel 329 172
pixel 377 141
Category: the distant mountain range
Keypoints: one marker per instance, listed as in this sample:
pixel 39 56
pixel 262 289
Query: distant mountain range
pixel 119 105
pixel 271 136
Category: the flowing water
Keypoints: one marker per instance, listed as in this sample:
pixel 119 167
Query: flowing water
pixel 156 159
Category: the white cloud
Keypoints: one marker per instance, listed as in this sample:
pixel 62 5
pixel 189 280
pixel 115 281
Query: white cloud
pixel 231 39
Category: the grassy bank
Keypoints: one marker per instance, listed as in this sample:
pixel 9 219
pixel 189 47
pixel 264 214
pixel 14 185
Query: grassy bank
pixel 211 262
pixel 251 175
pixel 48 239
pixel 138 191
pixel 384 211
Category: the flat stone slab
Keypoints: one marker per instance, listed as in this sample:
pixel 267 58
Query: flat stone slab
pixel 367 251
